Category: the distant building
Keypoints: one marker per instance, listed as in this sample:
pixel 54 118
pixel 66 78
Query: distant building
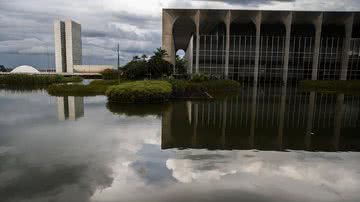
pixel 265 45
pixel 25 69
pixel 68 47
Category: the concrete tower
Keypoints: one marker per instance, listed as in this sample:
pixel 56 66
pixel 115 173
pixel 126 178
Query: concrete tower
pixel 60 50
pixel 68 46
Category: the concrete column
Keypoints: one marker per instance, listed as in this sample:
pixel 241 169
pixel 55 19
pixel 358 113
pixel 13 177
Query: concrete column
pixel 223 127
pixel 346 48
pixel 166 123
pixel 287 23
pixel 61 108
pixel 196 118
pixel 253 117
pixel 257 48
pixel 318 30
pixel 190 52
pixel 227 48
pixel 167 37
pixel 197 23
pixel 339 113
pixel 282 117
pixel 309 123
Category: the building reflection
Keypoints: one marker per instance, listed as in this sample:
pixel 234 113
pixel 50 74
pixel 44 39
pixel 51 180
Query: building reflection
pixel 70 108
pixel 265 118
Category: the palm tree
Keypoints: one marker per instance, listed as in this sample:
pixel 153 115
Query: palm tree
pixel 144 57
pixel 136 58
pixel 160 53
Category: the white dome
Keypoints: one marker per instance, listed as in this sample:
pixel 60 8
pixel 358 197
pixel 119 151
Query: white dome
pixel 25 69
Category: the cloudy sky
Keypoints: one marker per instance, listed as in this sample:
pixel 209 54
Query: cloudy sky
pixel 26 35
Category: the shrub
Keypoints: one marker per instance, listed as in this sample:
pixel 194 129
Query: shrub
pixel 159 67
pixel 188 89
pixel 140 92
pixel 136 70
pixel 111 74
pixel 199 78
pixel 26 79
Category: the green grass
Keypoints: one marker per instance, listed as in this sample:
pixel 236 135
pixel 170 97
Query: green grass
pixel 26 80
pixel 140 92
pixel 96 87
pixel 146 91
pixel 350 86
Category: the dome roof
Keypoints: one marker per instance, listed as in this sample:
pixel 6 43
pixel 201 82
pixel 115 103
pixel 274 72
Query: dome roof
pixel 25 69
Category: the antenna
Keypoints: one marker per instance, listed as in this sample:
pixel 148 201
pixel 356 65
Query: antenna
pixel 118 57
pixel 118 61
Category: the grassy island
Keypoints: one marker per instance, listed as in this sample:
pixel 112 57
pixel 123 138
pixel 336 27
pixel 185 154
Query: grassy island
pixel 35 80
pixel 140 92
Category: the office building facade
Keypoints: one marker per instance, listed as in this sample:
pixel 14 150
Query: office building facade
pixel 253 45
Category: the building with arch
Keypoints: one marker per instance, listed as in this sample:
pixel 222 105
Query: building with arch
pixel 253 45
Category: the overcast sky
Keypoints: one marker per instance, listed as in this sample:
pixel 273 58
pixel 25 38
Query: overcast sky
pixel 26 26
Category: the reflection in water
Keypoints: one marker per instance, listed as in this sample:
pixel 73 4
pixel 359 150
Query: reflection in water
pixel 266 119
pixel 70 108
pixel 114 154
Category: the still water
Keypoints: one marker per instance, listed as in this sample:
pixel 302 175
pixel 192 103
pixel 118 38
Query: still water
pixel 262 144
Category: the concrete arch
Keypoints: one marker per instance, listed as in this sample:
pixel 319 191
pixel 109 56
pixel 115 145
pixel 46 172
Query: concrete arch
pixel 183 29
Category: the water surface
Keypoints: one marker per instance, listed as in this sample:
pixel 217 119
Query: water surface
pixel 262 144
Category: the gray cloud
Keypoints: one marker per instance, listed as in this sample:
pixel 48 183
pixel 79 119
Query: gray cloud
pixel 27 29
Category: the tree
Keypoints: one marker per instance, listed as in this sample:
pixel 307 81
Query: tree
pixel 180 65
pixel 136 58
pixel 136 69
pixel 158 66
pixel 144 57
pixel 159 53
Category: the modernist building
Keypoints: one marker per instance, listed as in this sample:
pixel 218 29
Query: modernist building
pixel 68 49
pixel 271 45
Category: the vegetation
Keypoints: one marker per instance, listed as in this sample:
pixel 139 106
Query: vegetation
pixel 136 69
pixel 154 68
pixel 140 92
pixel 201 89
pixel 199 78
pixel 137 110
pixel 112 74
pixel 96 87
pixel 334 86
pixel 180 66
pixel 26 79
pixel 159 67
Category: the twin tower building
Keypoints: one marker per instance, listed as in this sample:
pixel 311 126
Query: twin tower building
pixel 68 49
